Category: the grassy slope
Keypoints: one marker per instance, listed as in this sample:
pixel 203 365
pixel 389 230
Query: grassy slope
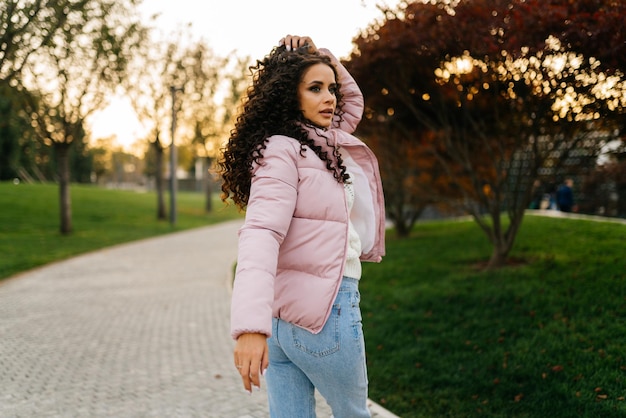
pixel 545 339
pixel 29 221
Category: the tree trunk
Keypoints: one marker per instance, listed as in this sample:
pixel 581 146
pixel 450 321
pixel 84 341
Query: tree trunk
pixel 503 241
pixel 395 211
pixel 158 175
pixel 403 216
pixel 400 225
pixel 498 258
pixel 65 202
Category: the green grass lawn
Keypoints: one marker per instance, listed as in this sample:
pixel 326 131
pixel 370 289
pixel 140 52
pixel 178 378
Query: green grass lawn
pixel 546 338
pixel 29 221
pixel 543 339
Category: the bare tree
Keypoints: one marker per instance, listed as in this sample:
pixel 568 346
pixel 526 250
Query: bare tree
pixel 215 88
pixel 157 67
pixel 211 88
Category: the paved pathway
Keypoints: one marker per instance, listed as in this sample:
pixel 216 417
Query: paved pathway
pixel 136 330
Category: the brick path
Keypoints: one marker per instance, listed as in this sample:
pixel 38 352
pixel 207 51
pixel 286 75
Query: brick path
pixel 136 330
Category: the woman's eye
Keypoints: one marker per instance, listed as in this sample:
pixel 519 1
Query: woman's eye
pixel 315 89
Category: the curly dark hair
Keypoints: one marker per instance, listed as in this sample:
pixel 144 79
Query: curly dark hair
pixel 272 107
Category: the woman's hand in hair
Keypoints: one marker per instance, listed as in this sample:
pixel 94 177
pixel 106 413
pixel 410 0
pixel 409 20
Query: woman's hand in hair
pixel 292 42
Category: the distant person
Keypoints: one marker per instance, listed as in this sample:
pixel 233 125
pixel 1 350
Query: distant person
pixel 565 196
pixel 536 195
pixel 314 211
pixel 550 192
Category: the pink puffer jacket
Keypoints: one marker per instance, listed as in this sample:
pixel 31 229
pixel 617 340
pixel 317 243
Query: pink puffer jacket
pixel 292 246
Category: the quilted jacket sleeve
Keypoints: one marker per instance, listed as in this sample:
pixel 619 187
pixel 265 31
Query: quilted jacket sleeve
pixel 352 97
pixel 270 209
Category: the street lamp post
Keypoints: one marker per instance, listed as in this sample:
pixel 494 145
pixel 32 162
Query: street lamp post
pixel 173 158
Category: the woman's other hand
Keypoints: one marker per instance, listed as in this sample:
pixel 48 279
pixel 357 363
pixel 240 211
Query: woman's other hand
pixel 251 358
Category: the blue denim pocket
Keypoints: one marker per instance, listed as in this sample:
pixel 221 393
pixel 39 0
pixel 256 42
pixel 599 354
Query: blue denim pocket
pixel 322 344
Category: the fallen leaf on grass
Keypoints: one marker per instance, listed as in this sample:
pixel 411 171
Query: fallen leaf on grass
pixel 518 397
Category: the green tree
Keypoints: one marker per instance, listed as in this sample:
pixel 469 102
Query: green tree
pixel 10 122
pixel 27 26
pixel 20 153
pixel 73 75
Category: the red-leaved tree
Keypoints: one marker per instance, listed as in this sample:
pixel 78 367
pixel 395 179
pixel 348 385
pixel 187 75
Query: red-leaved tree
pixel 487 105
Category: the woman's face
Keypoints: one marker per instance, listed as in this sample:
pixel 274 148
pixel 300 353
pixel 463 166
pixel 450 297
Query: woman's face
pixel 316 93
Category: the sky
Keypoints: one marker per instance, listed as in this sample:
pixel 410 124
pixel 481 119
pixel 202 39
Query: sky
pixel 253 27
pixel 246 28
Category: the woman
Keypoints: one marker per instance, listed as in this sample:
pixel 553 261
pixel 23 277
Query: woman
pixel 314 210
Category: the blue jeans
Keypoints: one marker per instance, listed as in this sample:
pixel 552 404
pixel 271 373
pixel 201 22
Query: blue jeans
pixel 333 362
